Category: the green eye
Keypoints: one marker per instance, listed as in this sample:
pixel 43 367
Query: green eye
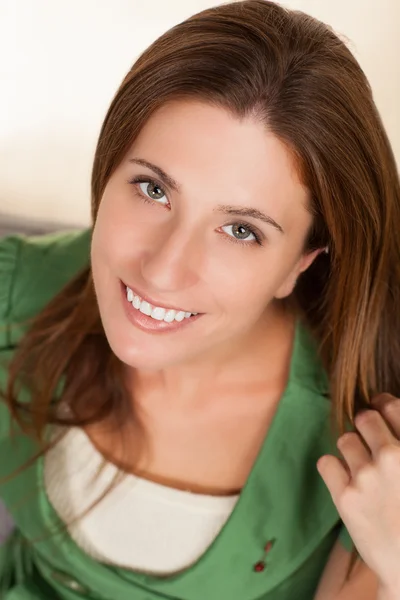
pixel 150 190
pixel 153 191
pixel 240 232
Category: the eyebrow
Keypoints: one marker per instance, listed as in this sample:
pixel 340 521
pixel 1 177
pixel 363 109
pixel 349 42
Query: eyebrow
pixel 167 179
pixel 240 211
pixel 247 211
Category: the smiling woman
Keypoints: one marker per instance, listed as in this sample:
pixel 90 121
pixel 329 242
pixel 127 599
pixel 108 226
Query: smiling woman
pixel 182 253
pixel 173 373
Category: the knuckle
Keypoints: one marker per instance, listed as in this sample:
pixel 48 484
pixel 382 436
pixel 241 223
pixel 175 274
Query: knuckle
pixel 348 500
pixel 366 476
pixel 346 438
pixel 389 457
pixel 366 417
pixel 392 407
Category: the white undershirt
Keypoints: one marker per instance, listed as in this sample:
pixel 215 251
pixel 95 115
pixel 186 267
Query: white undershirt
pixel 139 525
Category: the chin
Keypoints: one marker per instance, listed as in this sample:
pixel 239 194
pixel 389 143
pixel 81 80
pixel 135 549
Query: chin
pixel 140 356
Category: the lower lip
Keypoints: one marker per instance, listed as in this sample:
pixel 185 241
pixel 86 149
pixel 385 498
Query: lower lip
pixel 146 323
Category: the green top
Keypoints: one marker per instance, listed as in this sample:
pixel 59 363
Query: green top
pixel 284 498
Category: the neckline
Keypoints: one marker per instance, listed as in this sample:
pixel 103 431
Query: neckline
pixel 89 454
pixel 241 530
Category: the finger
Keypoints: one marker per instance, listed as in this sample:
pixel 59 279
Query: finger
pixel 389 407
pixel 374 430
pixel 354 452
pixel 335 476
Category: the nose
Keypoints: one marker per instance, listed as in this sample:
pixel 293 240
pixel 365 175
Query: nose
pixel 173 261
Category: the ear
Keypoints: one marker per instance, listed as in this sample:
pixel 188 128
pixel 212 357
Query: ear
pixel 302 264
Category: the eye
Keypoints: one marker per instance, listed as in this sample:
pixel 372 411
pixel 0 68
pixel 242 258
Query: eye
pixel 242 233
pixel 150 190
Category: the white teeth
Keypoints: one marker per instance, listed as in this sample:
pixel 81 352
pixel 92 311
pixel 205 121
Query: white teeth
pixel 156 312
pixel 145 308
pixel 170 315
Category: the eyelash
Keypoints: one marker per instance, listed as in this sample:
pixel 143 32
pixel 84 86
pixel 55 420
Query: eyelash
pixel 258 238
pixel 142 196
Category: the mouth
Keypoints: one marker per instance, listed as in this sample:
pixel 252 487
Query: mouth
pixel 153 317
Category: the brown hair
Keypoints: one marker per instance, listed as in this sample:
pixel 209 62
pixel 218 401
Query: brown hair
pixel 253 58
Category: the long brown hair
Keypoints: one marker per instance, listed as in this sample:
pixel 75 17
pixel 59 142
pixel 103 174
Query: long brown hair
pixel 252 58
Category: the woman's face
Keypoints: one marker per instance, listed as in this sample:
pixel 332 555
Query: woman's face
pixel 220 235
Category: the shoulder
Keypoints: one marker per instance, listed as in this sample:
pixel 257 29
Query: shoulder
pixel 32 271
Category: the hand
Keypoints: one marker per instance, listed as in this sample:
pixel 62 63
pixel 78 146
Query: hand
pixel 365 488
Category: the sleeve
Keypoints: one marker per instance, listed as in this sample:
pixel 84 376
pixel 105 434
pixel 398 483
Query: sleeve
pixel 33 269
pixel 9 250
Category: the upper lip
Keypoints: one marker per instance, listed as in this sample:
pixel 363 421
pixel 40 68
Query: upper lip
pixel 154 302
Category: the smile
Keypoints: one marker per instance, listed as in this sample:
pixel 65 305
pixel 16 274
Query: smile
pixel 157 313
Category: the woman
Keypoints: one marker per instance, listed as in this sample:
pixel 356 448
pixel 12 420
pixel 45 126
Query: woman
pixel 172 396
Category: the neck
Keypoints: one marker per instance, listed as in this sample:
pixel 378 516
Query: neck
pixel 260 358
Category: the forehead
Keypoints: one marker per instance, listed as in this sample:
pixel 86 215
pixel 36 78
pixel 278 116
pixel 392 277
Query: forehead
pixel 206 148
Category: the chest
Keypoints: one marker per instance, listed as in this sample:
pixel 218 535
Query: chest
pixel 205 451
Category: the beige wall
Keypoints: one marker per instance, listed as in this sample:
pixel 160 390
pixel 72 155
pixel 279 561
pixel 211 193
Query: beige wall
pixel 61 61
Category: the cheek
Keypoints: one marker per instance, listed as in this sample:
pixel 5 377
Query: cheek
pixel 106 222
pixel 114 233
pixel 125 226
pixel 106 256
pixel 244 293
pixel 100 248
pixel 250 283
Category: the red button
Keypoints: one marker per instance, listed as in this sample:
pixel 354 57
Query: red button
pixel 259 567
